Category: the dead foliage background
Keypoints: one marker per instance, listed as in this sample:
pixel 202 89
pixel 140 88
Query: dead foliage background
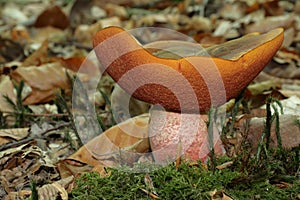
pixel 43 44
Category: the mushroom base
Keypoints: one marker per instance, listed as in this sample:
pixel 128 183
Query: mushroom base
pixel 180 134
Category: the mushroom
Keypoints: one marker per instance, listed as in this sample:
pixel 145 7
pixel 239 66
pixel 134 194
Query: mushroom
pixel 184 87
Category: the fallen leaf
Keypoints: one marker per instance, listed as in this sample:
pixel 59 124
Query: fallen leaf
pixel 6 89
pixel 290 106
pixel 282 185
pixel 289 90
pixel 273 8
pixel 233 11
pixel 149 183
pixel 14 133
pixel 13 15
pixel 130 137
pixel 224 165
pixel 55 190
pixel 38 57
pixel 289 132
pixel 43 80
pixel 20 34
pixel 116 10
pixel 270 23
pixel 10 50
pixel 49 33
pixel 219 195
pixel 52 16
pixel 260 87
pixel 84 33
pixel 21 194
pixel 80 64
pixel 288 37
pixel 12 150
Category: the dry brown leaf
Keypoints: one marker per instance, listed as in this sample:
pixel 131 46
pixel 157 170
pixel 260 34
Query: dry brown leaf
pixel 15 133
pixel 62 191
pixel 52 16
pixel 224 165
pixel 4 140
pixel 54 190
pixel 38 57
pixel 282 185
pixel 252 6
pixel 12 150
pixel 69 167
pixel 128 136
pixel 48 33
pixel 10 50
pixel 5 184
pixel 273 8
pixel 64 170
pixel 219 195
pixel 174 20
pixel 270 23
pixel 263 76
pixel 110 21
pixel 12 14
pixel 288 55
pixel 6 89
pixel 123 2
pixel 21 194
pixel 81 64
pixel 80 12
pixel 233 11
pixel 290 132
pixel 150 188
pixel 199 24
pixel 43 80
pixel 84 33
pixel 260 87
pixel 20 35
pixel 290 106
pixel 223 28
pixel 102 170
pixel 289 90
pixel 116 10
pixel 289 35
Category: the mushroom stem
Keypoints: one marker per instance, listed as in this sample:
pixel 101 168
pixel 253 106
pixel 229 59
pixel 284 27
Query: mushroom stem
pixel 170 130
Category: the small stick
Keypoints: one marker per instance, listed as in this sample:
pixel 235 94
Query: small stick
pixel 25 140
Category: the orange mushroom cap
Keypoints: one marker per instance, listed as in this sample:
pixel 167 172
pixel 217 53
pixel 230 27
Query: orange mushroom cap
pixel 188 84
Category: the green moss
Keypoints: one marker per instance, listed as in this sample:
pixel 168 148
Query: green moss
pixel 264 190
pixel 188 182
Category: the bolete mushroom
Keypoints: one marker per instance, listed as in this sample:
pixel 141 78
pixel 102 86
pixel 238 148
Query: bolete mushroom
pixel 184 87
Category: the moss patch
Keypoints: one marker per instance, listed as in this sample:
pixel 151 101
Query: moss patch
pixel 188 182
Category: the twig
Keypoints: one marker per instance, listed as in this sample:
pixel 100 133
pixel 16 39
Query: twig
pixel 55 128
pixel 25 140
pixel 37 115
pixel 76 44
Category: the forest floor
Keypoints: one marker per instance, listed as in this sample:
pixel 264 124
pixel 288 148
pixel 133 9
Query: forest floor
pixel 63 122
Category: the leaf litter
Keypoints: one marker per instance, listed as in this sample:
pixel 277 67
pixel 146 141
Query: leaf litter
pixel 42 147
